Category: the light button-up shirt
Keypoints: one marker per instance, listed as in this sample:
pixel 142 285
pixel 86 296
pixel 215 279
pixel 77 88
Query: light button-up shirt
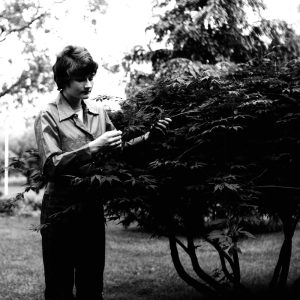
pixel 62 138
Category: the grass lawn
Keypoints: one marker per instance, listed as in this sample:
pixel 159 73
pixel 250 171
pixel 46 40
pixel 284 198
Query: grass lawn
pixel 137 266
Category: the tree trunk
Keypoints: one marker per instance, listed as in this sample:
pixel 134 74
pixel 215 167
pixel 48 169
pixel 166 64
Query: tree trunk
pixel 202 288
pixel 281 270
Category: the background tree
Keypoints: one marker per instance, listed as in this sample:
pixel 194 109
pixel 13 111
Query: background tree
pixel 18 19
pixel 94 8
pixel 26 22
pixel 214 30
pixel 208 32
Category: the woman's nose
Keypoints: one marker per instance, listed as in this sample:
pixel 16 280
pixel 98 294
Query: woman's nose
pixel 88 83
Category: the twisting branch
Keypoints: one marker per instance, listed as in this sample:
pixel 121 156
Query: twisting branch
pixel 223 255
pixel 203 288
pixel 9 89
pixel 198 270
pixel 283 264
pixel 182 245
pixel 236 263
pixel 231 276
pixel 25 26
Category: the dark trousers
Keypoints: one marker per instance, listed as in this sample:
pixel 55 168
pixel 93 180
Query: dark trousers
pixel 74 253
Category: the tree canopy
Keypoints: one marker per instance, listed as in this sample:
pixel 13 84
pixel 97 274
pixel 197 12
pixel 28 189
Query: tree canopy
pixel 19 19
pixel 24 24
pixel 211 31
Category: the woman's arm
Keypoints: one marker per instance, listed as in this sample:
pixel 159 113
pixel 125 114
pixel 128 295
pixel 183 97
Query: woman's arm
pixel 53 160
pixel 156 131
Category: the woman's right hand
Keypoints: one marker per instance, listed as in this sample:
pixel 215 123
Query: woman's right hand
pixel 108 140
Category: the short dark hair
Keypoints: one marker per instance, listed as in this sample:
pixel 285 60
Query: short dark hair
pixel 73 62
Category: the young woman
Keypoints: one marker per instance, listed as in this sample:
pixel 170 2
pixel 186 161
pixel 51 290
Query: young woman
pixel 69 132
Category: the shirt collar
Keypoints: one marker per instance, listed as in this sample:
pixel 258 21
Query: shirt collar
pixel 65 111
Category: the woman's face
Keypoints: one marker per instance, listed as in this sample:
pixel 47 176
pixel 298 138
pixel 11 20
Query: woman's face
pixel 79 88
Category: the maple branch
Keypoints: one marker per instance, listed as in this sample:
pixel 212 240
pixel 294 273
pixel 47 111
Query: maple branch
pixel 19 29
pixel 9 89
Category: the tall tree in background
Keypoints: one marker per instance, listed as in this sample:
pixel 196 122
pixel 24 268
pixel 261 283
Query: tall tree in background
pixel 94 7
pixel 27 21
pixel 211 31
pixel 18 19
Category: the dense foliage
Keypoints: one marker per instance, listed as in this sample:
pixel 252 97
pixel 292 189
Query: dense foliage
pixel 242 128
pixel 21 20
pixel 231 156
pixel 211 30
pixel 208 32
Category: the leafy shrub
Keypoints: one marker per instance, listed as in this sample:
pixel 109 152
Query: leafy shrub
pixel 7 205
pixel 231 158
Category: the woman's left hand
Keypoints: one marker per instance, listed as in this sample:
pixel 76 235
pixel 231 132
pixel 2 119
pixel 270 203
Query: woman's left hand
pixel 159 129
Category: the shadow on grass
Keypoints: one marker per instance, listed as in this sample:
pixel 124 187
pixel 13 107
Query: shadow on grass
pixel 141 289
pixel 148 291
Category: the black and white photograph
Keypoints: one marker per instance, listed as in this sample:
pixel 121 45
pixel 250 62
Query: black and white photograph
pixel 149 149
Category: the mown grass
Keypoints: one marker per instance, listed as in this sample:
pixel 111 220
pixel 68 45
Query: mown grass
pixel 21 274
pixel 137 266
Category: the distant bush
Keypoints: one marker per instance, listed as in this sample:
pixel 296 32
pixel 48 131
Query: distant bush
pixel 7 206
pixel 31 204
pixel 23 204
